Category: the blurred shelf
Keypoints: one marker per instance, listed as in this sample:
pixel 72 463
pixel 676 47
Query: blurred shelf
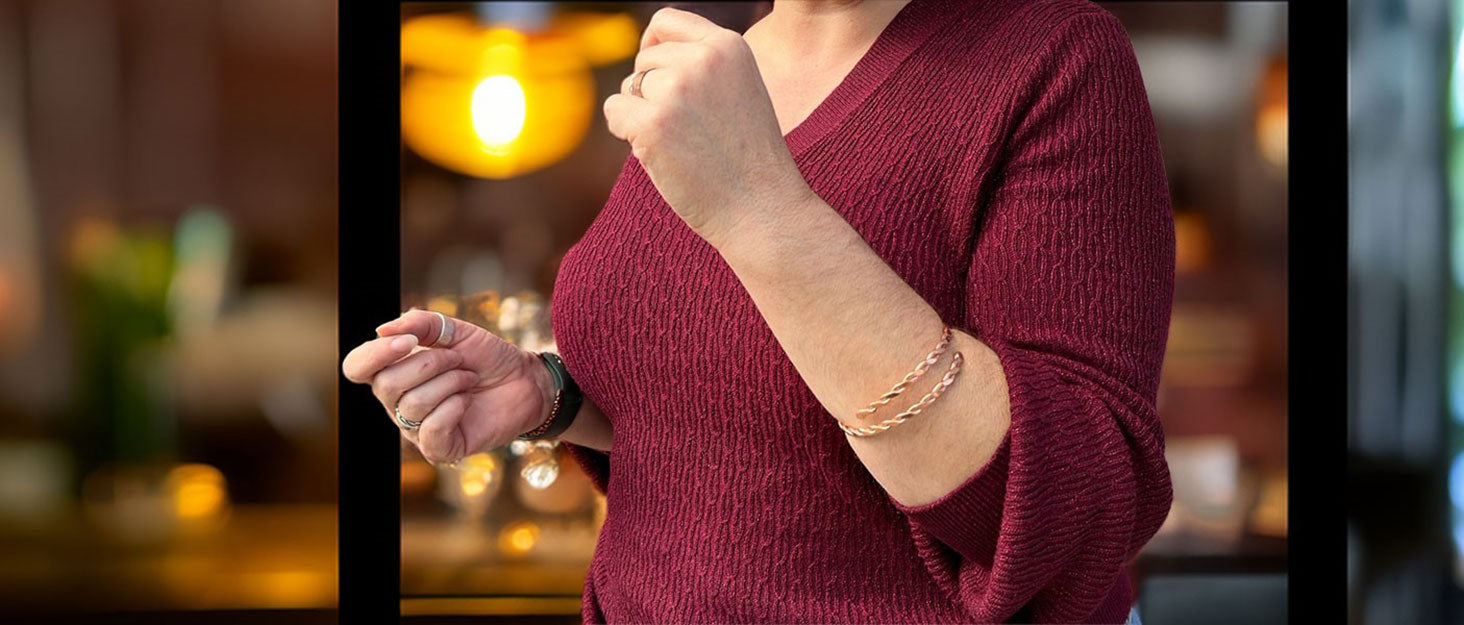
pixel 264 557
pixel 445 559
pixel 490 606
pixel 183 617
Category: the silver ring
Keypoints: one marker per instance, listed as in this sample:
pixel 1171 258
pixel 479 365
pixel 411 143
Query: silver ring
pixel 635 82
pixel 406 423
pixel 444 330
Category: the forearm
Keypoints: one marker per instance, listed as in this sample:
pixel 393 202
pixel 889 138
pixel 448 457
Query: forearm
pixel 852 328
pixel 590 428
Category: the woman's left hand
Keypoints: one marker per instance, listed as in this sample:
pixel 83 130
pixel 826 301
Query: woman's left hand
pixel 703 126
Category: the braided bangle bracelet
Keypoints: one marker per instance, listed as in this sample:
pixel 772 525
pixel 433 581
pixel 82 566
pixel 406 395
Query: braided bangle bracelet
pixel 930 360
pixel 957 361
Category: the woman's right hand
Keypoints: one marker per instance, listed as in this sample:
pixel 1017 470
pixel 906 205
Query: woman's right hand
pixel 474 393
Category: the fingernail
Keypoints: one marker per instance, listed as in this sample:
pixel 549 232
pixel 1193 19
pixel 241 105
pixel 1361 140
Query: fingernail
pixel 404 342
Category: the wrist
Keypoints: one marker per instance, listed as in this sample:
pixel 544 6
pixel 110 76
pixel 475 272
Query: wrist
pixel 773 240
pixel 544 390
pixel 775 202
pixel 566 402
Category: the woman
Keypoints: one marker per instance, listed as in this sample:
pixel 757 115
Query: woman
pixel 963 200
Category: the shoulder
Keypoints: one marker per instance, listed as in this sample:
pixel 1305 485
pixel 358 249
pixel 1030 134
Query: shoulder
pixel 1031 51
pixel 1026 33
pixel 1031 20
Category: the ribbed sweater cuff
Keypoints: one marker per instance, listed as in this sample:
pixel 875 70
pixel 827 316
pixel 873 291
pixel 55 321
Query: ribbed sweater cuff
pixel 965 519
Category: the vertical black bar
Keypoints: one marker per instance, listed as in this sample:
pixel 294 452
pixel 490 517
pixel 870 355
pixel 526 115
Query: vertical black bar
pixel 1317 317
pixel 370 276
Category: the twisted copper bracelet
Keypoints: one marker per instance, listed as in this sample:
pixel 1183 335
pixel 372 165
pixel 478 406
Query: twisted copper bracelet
pixel 930 360
pixel 957 361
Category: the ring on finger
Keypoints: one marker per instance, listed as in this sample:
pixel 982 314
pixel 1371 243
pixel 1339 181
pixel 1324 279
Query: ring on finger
pixel 445 330
pixel 406 423
pixel 636 80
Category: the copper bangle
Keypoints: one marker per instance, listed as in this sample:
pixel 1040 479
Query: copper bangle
pixel 957 361
pixel 930 360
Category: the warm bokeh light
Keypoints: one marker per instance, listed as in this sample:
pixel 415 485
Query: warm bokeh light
pixel 493 102
pixel 1270 514
pixel 147 504
pixel 291 588
pixel 198 491
pixel 476 473
pixel 445 305
pixel 1192 243
pixel 498 112
pixel 1273 114
pixel 603 38
pixel 518 538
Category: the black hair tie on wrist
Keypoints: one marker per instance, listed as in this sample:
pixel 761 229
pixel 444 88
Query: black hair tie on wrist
pixel 567 408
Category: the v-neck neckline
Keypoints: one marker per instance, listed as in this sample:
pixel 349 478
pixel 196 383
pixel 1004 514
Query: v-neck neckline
pixel 906 31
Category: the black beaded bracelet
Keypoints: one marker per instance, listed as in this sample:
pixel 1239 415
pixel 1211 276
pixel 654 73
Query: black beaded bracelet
pixel 567 401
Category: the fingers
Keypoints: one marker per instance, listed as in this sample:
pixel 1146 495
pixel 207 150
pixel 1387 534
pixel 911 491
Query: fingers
pixel 394 381
pixel 369 358
pixel 419 401
pixel 426 326
pixel 654 84
pixel 670 24
pixel 665 55
pixel 625 116
pixel 440 439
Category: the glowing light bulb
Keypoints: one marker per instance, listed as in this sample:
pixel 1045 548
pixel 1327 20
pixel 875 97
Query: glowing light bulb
pixel 498 109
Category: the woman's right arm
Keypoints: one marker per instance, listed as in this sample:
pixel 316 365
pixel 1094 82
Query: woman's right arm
pixel 469 393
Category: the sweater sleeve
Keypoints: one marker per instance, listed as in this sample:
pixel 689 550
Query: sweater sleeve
pixel 1070 283
pixel 595 464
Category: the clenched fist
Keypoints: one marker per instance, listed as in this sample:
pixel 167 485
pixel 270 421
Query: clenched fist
pixel 703 126
pixel 471 392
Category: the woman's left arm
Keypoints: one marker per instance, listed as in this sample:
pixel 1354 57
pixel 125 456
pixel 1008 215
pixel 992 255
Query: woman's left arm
pixel 850 325
pixel 1040 471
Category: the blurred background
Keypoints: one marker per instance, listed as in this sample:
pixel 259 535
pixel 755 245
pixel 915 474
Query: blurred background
pixel 168 271
pixel 167 308
pixel 1406 311
pixel 506 161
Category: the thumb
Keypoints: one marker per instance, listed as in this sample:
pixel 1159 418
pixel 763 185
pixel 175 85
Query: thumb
pixel 428 327
pixel 483 352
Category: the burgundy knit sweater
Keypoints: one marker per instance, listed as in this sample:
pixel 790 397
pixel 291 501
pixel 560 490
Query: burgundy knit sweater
pixel 1001 157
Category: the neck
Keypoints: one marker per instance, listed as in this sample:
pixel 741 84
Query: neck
pixel 819 30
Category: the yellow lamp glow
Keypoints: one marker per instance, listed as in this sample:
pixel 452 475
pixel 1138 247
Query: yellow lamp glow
pixel 492 102
pixel 603 37
pixel 498 112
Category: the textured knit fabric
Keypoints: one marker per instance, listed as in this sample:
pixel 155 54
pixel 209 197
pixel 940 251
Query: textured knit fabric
pixel 1001 157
